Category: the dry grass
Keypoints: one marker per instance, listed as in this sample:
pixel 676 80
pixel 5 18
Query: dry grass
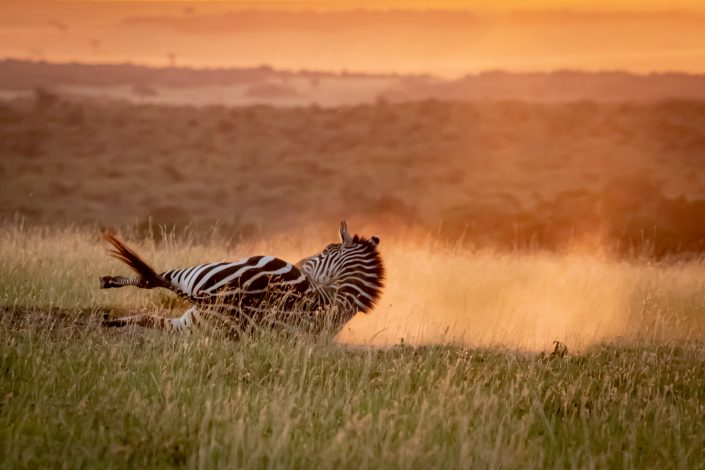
pixel 437 293
pixel 526 301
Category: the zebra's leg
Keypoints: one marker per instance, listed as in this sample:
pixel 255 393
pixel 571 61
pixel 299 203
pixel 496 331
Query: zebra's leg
pixel 220 322
pixel 108 282
pixel 192 317
pixel 171 325
pixel 145 320
pixel 195 316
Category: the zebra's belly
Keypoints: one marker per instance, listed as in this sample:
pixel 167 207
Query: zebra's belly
pixel 270 296
pixel 275 307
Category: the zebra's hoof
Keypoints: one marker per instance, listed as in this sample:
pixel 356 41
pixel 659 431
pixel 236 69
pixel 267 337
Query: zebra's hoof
pixel 110 322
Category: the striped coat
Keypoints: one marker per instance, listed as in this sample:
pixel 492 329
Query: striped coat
pixel 320 292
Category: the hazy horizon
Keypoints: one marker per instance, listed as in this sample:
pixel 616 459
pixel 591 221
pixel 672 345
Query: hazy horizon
pixel 450 40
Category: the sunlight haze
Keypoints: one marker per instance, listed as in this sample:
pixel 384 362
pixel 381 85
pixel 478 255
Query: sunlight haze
pixel 446 38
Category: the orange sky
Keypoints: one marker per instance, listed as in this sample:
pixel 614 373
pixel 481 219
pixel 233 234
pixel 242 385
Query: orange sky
pixel 437 4
pixel 644 36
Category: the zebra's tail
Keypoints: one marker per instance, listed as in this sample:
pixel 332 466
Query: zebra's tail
pixel 147 277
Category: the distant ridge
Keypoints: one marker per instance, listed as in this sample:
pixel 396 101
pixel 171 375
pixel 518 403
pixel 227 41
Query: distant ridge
pixel 264 84
pixel 557 86
pixel 21 74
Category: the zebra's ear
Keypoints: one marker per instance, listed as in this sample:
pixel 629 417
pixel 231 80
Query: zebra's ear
pixel 345 237
pixel 375 241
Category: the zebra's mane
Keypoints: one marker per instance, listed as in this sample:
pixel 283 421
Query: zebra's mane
pixel 359 239
pixel 378 281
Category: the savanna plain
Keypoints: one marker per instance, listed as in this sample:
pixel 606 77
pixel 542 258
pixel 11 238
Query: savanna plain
pixel 578 224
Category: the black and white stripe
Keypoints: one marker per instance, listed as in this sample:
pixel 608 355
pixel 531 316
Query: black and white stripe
pixel 322 291
pixel 247 277
pixel 347 276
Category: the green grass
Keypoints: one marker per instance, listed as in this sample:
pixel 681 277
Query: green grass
pixel 89 397
pixel 75 395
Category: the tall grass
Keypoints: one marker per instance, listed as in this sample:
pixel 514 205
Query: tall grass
pixel 630 394
pixel 435 293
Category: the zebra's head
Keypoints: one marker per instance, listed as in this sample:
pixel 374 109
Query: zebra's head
pixel 348 274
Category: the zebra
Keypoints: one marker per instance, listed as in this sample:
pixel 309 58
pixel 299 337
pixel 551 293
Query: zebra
pixel 320 292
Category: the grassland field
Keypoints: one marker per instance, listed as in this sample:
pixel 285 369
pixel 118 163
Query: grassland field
pixel 450 370
pixel 504 225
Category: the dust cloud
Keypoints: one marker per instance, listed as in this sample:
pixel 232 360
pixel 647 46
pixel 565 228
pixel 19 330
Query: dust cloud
pixel 519 301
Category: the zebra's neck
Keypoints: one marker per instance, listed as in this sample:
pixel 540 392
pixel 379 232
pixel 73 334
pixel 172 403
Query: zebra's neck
pixel 346 278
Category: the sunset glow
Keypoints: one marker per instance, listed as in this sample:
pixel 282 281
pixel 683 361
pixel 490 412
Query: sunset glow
pixel 426 4
pixel 448 38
